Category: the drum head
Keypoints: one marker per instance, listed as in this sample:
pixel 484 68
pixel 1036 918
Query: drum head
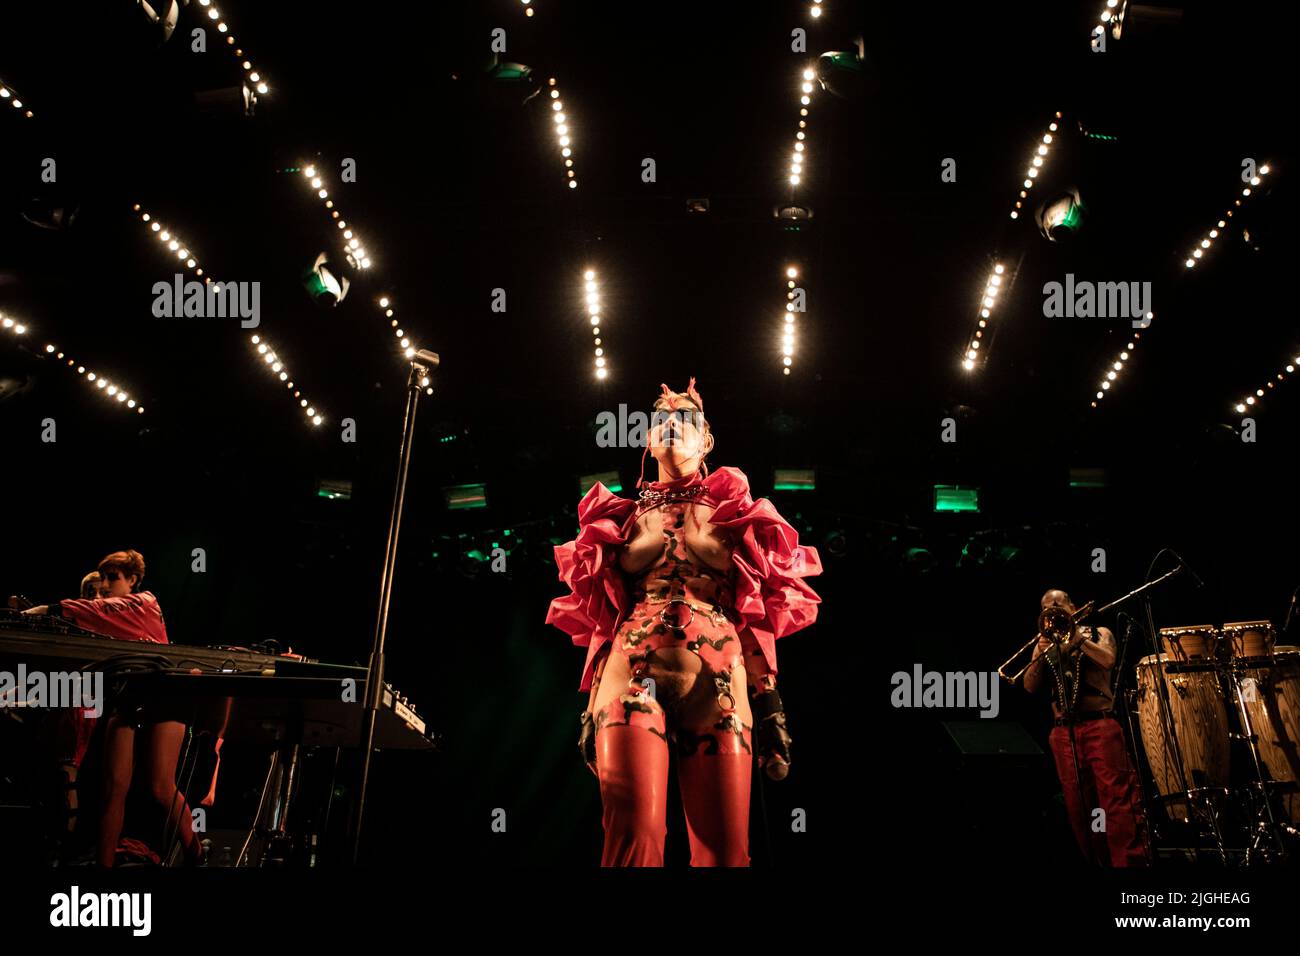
pixel 1249 638
pixel 1188 643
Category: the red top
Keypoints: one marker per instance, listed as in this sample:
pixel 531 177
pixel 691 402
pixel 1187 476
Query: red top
pixel 768 563
pixel 136 617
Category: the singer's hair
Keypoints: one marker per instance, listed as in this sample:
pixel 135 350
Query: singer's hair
pixel 126 562
pixel 662 405
pixel 1054 591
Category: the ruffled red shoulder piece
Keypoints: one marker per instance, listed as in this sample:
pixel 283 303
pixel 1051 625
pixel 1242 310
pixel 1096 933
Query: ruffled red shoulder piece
pixel 772 598
pixel 593 610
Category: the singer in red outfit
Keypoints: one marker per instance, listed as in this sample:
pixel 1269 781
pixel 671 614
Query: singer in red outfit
pixel 126 613
pixel 679 599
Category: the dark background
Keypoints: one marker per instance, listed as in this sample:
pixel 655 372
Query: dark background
pixel 460 191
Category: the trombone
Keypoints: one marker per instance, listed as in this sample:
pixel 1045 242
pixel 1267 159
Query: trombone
pixel 1055 623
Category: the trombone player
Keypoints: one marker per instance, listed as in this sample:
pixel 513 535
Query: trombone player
pixel 1077 668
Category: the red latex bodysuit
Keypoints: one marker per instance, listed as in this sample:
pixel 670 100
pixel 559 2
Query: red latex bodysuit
pixel 727 618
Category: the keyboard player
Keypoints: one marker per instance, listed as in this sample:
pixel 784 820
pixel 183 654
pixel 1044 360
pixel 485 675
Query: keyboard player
pixel 128 613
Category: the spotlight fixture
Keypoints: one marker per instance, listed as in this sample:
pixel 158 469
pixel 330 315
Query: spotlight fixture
pixel 228 100
pixel 55 215
pixel 507 85
pixel 160 17
pixel 1059 216
pixel 323 282
pixel 843 73
pixel 792 213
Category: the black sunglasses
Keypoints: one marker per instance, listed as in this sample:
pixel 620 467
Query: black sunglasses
pixel 109 575
pixel 683 415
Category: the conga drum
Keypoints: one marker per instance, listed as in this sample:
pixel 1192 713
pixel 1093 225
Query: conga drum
pixel 1248 638
pixel 1199 719
pixel 1199 642
pixel 1273 703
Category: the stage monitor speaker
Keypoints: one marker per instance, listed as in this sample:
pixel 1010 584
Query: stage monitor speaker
pixel 992 737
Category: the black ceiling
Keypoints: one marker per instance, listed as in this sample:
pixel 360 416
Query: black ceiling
pixel 459 194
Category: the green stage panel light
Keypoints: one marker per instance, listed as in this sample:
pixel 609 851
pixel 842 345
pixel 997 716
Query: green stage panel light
pixel 1087 477
pixel 460 497
pixel 334 489
pixel 794 479
pixel 956 498
pixel 609 479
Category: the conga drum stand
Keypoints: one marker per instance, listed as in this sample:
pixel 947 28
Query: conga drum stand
pixel 1265 825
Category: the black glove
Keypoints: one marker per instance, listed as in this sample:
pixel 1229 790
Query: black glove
pixel 771 739
pixel 587 740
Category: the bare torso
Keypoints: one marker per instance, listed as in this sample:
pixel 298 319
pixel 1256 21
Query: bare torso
pixel 675 671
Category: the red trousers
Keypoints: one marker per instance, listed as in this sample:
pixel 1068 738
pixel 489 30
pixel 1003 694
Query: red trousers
pixel 1109 783
pixel 714 767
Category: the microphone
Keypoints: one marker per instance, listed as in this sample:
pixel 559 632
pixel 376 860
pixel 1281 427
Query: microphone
pixel 1188 568
pixel 1290 612
pixel 426 358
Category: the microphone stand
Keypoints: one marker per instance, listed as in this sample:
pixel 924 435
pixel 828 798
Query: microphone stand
pixel 1123 695
pixel 421 364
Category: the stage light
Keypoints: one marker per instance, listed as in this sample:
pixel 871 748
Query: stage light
pixel 919 560
pixel 610 479
pixel 842 73
pixel 463 497
pixel 228 100
pixel 794 479
pixel 55 215
pixel 953 498
pixel 1059 216
pixel 322 284
pixel 156 23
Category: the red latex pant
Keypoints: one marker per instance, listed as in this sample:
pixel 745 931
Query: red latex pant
pixel 1109 782
pixel 713 771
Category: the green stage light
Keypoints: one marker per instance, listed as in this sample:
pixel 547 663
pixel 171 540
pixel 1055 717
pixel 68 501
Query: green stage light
pixel 461 497
pixel 322 284
pixel 1087 477
pixel 609 479
pixel 794 479
pixel 334 489
pixel 956 498
pixel 1060 217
